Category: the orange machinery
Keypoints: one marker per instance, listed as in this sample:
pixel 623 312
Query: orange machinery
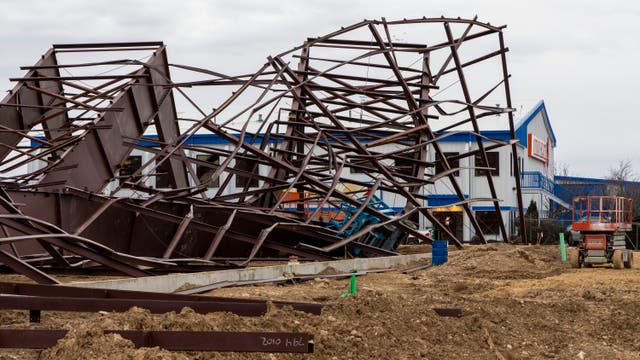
pixel 602 222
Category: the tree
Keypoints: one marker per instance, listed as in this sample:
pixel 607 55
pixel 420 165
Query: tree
pixel 541 231
pixel 623 171
pixel 532 211
pixel 625 183
pixel 561 169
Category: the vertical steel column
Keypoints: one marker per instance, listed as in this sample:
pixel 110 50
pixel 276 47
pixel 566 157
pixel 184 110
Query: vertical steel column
pixel 474 122
pixel 514 146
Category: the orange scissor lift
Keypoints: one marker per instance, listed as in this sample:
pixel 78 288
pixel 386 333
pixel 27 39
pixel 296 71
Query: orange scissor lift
pixel 602 222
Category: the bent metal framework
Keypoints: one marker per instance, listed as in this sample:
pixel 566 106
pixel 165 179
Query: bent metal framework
pixel 362 100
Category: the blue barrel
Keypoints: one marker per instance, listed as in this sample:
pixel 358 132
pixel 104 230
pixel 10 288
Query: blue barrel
pixel 439 252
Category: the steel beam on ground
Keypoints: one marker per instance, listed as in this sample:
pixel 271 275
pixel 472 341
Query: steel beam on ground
pixel 79 304
pixel 52 291
pixel 235 341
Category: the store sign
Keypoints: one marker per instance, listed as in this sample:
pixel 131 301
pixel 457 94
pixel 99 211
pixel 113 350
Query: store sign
pixel 538 148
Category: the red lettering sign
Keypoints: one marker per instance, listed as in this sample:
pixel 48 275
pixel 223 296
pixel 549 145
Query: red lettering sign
pixel 538 149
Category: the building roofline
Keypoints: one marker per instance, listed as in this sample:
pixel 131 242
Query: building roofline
pixel 467 137
pixel 505 135
pixel 521 125
pixel 588 180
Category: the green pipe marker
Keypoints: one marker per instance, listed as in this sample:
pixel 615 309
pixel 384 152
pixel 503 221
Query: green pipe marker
pixel 563 248
pixel 352 287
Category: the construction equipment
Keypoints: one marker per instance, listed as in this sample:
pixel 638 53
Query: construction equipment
pixel 602 223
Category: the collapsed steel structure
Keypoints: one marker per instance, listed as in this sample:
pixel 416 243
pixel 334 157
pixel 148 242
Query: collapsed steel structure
pixel 360 101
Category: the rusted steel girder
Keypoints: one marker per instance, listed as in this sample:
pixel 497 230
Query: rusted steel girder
pixel 137 298
pixel 91 160
pixel 270 342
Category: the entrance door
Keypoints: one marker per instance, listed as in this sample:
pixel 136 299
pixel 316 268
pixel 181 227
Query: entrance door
pixel 451 219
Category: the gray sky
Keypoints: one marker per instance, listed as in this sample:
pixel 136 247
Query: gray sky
pixel 581 57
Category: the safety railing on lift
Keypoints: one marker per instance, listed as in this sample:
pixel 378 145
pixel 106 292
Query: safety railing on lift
pixel 602 209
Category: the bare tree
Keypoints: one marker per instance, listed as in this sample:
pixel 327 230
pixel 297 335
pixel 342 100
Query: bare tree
pixel 623 171
pixel 561 169
pixel 625 183
pixel 620 174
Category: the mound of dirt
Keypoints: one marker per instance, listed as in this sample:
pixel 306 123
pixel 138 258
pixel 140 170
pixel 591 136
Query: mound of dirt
pixel 517 302
pixel 87 340
pixel 503 261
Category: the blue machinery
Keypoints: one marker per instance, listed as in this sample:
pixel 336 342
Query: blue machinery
pixel 387 237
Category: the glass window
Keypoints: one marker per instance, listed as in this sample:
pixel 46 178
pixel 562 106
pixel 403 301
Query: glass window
pixel 130 166
pixel 494 163
pixel 163 179
pixel 248 166
pixel 510 165
pixel 204 172
pixel 403 165
pixel 355 169
pixel 489 222
pixel 453 163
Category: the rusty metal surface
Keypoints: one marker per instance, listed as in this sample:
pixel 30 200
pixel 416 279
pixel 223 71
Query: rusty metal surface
pixel 76 304
pixel 140 298
pixel 317 129
pixel 271 342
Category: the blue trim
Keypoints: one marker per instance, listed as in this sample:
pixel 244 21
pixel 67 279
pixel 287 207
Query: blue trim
pixel 207 139
pixel 443 199
pixel 521 126
pixel 36 143
pixel 492 208
pixel 215 139
pixel 328 208
pixel 196 139
pixel 582 180
pixel 502 135
pixel 444 196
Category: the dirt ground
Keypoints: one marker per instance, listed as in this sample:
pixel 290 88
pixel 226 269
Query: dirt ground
pixel 517 303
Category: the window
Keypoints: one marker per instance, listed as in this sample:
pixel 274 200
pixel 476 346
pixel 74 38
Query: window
pixel 513 223
pixel 163 177
pixel 512 168
pixel 204 172
pixel 489 222
pixel 494 163
pixel 355 169
pixel 403 165
pixel 510 165
pixel 130 166
pixel 453 163
pixel 248 166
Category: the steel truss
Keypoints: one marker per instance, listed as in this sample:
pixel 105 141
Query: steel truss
pixel 362 110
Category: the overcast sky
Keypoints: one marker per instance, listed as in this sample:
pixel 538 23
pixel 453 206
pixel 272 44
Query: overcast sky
pixel 581 57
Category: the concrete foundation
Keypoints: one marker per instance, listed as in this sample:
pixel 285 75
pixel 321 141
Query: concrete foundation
pixel 171 282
